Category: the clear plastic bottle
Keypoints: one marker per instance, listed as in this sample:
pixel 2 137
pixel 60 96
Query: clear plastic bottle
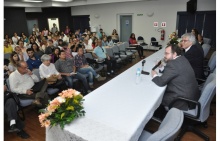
pixel 138 76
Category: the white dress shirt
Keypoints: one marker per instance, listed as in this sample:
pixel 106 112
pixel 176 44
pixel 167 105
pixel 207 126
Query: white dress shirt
pixel 88 46
pixel 47 71
pixel 21 83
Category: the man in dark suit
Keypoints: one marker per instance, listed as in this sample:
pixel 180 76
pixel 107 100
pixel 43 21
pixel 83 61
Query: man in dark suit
pixel 179 77
pixel 194 54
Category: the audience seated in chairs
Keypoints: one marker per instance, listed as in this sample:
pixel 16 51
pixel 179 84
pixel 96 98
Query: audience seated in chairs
pixel 16 124
pixel 65 66
pixel 33 61
pixel 179 77
pixel 27 85
pixel 133 42
pixel 83 67
pixel 100 54
pixel 48 71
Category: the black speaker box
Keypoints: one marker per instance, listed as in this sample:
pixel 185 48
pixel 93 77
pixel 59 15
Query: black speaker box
pixel 191 6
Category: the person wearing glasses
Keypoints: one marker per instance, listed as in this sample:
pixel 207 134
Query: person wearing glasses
pixel 193 53
pixel 180 79
pixel 28 85
pixel 100 54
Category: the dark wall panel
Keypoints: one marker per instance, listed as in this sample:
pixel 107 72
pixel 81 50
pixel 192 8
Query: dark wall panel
pixel 15 21
pixel 64 15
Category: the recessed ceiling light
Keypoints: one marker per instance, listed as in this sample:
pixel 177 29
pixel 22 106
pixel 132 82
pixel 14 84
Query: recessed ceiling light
pixel 62 0
pixel 33 1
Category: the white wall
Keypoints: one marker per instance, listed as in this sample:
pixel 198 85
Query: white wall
pixel 164 11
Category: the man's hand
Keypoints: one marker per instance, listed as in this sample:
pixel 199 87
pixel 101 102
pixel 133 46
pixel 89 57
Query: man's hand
pixel 108 57
pixel 29 92
pixel 29 72
pixel 59 76
pixel 153 72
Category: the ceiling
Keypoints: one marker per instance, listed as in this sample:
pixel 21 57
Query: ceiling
pixel 60 3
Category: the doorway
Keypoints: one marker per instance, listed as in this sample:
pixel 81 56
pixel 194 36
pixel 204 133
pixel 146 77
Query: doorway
pixel 51 21
pixel 30 25
pixel 125 27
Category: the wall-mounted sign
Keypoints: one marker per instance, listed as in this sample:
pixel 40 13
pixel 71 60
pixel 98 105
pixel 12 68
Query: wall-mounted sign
pixel 127 22
pixel 163 24
pixel 139 14
pixel 155 24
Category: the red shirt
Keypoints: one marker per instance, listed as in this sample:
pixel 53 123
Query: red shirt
pixel 132 41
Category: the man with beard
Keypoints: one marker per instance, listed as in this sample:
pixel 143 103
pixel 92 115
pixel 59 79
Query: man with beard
pixel 179 77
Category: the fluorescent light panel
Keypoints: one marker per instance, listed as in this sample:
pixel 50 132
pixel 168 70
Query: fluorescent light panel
pixel 62 0
pixel 33 1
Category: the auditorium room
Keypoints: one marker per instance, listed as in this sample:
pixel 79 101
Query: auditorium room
pixel 107 70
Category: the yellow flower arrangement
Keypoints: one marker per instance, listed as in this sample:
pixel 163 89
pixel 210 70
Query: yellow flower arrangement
pixel 63 109
pixel 173 39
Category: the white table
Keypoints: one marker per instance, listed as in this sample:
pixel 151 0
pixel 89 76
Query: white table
pixel 116 111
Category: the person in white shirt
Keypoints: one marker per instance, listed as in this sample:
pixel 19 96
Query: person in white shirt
pixel 48 70
pixel 36 29
pixel 27 85
pixel 22 55
pixel 88 47
pixel 15 38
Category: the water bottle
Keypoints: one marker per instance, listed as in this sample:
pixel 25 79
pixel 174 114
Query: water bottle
pixel 138 76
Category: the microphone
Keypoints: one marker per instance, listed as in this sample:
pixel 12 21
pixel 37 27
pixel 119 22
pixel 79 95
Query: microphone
pixel 157 65
pixel 143 62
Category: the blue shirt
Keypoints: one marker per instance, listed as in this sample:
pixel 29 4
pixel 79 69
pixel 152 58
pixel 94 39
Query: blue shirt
pixel 100 52
pixel 34 64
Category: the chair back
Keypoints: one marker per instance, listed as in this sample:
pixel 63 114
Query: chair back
pixel 140 38
pixel 88 55
pixel 206 48
pixel 122 47
pixel 169 127
pixel 206 40
pixel 126 44
pixel 7 55
pixel 115 49
pixel 207 93
pixel 109 52
pixel 23 102
pixel 37 73
pixel 212 62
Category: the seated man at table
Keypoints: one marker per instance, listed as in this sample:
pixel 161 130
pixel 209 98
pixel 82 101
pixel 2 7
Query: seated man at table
pixel 27 84
pixel 193 53
pixel 100 54
pixel 179 77
pixel 65 66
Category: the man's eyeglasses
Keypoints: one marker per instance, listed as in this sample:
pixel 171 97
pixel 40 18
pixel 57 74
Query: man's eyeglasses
pixel 184 41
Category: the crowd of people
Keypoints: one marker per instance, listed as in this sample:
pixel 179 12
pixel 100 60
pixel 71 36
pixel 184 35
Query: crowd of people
pixel 59 57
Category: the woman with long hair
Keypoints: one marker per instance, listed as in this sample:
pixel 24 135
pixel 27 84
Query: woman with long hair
pixel 133 43
pixel 198 36
pixel 36 50
pixel 115 37
pixel 13 62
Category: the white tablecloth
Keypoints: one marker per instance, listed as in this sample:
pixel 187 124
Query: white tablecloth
pixel 118 110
